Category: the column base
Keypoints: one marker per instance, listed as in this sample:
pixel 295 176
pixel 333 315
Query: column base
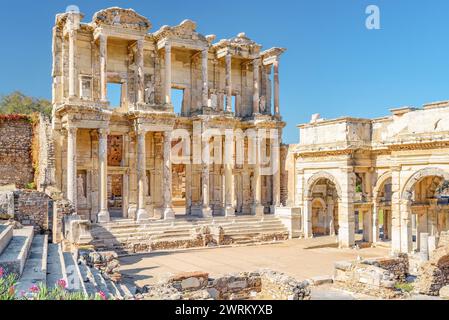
pixel 103 216
pixel 142 215
pixel 169 213
pixel 132 211
pixel 257 210
pixel 206 212
pixel 229 211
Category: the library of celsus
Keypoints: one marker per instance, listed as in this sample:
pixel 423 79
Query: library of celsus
pixel 116 161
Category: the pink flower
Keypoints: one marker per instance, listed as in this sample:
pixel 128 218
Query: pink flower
pixel 62 283
pixel 2 272
pixel 34 288
pixel 102 295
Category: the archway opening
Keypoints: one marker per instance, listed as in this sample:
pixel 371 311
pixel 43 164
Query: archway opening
pixel 384 213
pixel 429 207
pixel 324 208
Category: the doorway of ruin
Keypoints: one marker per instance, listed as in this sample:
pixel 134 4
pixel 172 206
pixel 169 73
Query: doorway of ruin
pixel 382 210
pixel 179 189
pixel 324 207
pixel 115 195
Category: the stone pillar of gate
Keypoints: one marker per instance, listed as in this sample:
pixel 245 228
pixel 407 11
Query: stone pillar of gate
pixel 307 218
pixel 368 225
pixel 346 216
pixel 432 219
pixel 330 215
pixel 375 223
pixel 72 166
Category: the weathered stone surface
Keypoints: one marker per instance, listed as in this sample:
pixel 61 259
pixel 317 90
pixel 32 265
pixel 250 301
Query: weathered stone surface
pixel 444 292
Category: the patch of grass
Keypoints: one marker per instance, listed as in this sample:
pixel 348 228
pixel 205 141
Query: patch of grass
pixel 405 287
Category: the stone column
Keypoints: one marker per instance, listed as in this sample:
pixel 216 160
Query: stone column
pixel 330 214
pixel 268 89
pixel 167 196
pixel 424 247
pixel 346 216
pixel 142 213
pixel 256 98
pixel 367 226
pixel 276 88
pixel 140 72
pixel 206 210
pixel 432 217
pixel 307 218
pixel 228 61
pixel 395 211
pixel 375 225
pixel 275 162
pixel 71 166
pixel 167 85
pixel 103 68
pixel 103 215
pixel 258 209
pixel 72 66
pixel 229 178
pixel 205 92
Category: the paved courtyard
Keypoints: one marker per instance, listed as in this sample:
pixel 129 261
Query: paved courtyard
pixel 299 258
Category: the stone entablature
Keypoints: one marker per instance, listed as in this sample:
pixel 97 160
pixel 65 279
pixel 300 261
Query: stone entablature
pixel 407 128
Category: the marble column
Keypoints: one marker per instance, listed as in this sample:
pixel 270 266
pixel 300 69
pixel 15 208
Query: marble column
pixel 72 67
pixel 307 218
pixel 258 209
pixel 142 213
pixel 103 67
pixel 275 162
pixel 229 177
pixel 367 226
pixel 268 89
pixel 167 85
pixel 103 215
pixel 71 166
pixel 330 214
pixel 206 210
pixel 169 213
pixel 205 92
pixel 375 231
pixel 140 72
pixel 228 60
pixel 256 89
pixel 432 217
pixel 276 88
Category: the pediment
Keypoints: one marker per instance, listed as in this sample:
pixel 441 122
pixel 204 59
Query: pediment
pixel 122 18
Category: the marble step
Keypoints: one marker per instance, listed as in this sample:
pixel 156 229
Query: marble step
pixel 6 232
pixel 56 269
pixel 35 270
pixel 87 279
pixel 73 274
pixel 14 256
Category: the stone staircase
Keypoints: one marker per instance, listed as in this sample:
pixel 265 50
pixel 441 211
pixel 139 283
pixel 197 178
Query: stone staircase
pixel 38 262
pixel 125 234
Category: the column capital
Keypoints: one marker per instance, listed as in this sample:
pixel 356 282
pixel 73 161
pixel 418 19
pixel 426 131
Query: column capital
pixel 103 131
pixel 71 130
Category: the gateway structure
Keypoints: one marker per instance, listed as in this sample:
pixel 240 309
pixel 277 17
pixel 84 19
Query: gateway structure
pixel 116 160
pixel 385 178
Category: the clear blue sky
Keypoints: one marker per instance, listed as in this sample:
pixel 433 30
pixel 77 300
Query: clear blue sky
pixel 334 65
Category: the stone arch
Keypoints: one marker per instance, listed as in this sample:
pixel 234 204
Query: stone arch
pixel 407 191
pixel 380 184
pixel 322 175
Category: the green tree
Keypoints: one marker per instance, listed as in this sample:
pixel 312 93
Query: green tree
pixel 19 103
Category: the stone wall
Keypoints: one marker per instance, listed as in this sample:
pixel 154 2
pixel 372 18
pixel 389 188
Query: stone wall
pixel 31 208
pixel 434 274
pixel 259 285
pixel 16 164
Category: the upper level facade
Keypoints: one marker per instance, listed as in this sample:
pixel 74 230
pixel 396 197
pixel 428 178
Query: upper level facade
pixel 404 128
pixel 233 77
